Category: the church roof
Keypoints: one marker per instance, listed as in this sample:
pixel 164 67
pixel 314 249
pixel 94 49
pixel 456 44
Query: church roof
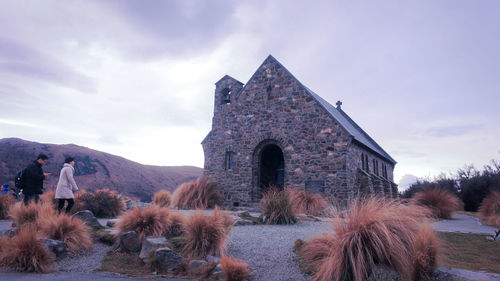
pixel 343 119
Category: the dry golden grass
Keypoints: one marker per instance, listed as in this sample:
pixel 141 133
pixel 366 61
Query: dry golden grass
pixel 489 210
pixel 204 235
pixel 199 194
pixel 24 252
pixel 314 252
pixel 376 231
pixel 277 207
pixel 176 227
pixel 148 221
pixel 305 202
pixel 24 215
pixel 425 253
pixel 234 269
pixel 162 198
pixel 6 201
pixel 441 202
pixel 48 196
pixel 75 234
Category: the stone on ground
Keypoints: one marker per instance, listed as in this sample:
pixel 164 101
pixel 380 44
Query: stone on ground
pixel 89 218
pixel 151 243
pixel 168 258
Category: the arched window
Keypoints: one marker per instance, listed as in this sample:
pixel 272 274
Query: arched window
pixel 269 91
pixel 226 96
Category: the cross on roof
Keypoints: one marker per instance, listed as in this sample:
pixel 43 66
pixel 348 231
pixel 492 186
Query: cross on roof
pixel 338 104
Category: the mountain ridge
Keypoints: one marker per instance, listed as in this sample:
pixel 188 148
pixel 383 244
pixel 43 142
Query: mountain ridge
pixel 93 169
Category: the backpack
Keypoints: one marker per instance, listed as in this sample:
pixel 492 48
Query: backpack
pixel 20 179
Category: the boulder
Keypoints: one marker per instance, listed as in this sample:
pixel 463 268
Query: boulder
pixel 128 242
pixel 89 218
pixel 168 258
pixel 11 232
pixel 241 221
pixel 111 222
pixel 55 246
pixel 217 272
pixel 151 243
pixel 197 266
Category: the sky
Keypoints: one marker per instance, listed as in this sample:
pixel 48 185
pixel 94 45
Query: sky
pixel 136 78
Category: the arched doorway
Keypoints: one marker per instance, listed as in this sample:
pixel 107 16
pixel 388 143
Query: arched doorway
pixel 271 168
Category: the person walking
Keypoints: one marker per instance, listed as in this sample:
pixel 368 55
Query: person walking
pixel 66 185
pixel 34 179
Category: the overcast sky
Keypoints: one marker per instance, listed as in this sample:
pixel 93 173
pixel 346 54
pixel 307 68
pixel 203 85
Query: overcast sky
pixel 136 78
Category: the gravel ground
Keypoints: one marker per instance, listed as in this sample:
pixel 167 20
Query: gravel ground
pixel 84 262
pixel 268 249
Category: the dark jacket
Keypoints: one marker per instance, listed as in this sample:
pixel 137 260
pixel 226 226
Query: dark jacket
pixel 34 179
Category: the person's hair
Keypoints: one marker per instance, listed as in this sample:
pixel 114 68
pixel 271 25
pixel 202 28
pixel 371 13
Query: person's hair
pixel 68 159
pixel 42 156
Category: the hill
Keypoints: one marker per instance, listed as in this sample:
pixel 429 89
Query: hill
pixel 93 169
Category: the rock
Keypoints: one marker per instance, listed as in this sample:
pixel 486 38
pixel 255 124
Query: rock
pixel 11 232
pixel 168 258
pixel 196 266
pixel 384 273
pixel 492 239
pixel 128 242
pixel 55 246
pixel 241 221
pixel 111 222
pixel 151 243
pixel 217 272
pixel 89 218
pixel 130 204
pixel 213 259
pixel 243 214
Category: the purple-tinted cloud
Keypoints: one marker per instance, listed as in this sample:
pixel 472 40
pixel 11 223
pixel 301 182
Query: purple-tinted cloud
pixel 18 59
pixel 452 131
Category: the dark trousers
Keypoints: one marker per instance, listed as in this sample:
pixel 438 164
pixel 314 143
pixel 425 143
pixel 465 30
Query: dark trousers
pixel 71 202
pixel 28 197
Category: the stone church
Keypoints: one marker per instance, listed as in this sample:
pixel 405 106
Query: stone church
pixel 274 131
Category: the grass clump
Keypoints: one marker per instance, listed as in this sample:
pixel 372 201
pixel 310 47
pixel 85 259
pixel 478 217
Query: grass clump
pixel 24 252
pixel 75 234
pixel 145 222
pixel 441 202
pixel 489 210
pixel 199 194
pixel 103 203
pixel 277 207
pixel 305 202
pixel 6 202
pixel 425 253
pixel 375 231
pixel 205 235
pixel 29 215
pixel 162 198
pixel 49 196
pixel 234 269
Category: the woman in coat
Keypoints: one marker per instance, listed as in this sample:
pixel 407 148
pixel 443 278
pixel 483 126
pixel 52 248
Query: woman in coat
pixel 66 185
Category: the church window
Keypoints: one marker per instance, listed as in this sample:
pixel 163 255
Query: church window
pixel 229 161
pixel 269 91
pixel 226 96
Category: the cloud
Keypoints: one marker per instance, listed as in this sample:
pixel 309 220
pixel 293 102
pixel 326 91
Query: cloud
pixel 19 59
pixel 452 130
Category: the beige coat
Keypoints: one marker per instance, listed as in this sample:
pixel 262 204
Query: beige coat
pixel 66 184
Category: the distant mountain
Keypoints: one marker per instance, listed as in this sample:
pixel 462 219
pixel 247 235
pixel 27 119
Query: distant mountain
pixel 406 181
pixel 93 169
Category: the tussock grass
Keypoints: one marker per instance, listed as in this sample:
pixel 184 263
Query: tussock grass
pixel 489 210
pixel 425 253
pixel 441 202
pixel 204 235
pixel 75 234
pixel 234 269
pixel 6 202
pixel 376 231
pixel 48 196
pixel 24 252
pixel 29 215
pixel 162 198
pixel 199 194
pixel 148 221
pixel 305 202
pixel 176 227
pixel 103 203
pixel 277 207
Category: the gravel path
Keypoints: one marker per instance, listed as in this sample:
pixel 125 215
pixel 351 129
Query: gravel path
pixel 464 224
pixel 84 262
pixel 268 249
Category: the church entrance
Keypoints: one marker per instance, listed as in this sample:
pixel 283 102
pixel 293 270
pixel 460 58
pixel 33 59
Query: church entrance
pixel 272 167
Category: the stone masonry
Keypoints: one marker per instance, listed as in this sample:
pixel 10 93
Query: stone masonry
pixel 322 149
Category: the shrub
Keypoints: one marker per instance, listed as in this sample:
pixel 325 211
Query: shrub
pixel 489 210
pixel 234 269
pixel 442 203
pixel 24 252
pixel 162 198
pixel 305 202
pixel 84 201
pixel 204 235
pixel 72 231
pixel 49 196
pixel 109 203
pixel 425 253
pixel 176 227
pixel 199 194
pixel 376 231
pixel 314 252
pixel 6 202
pixel 277 207
pixel 146 222
pixel 24 215
pixel 476 185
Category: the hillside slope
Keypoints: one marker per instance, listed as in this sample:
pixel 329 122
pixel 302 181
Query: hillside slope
pixel 93 169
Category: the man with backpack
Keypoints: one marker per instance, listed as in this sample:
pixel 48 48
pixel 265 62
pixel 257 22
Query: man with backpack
pixel 33 179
